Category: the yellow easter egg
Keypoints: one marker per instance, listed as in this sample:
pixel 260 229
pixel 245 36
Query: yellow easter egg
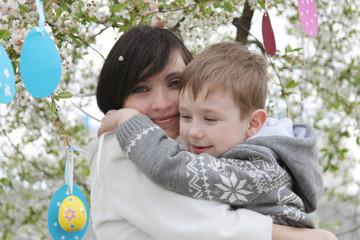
pixel 72 214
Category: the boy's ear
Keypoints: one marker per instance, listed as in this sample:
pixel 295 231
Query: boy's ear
pixel 256 121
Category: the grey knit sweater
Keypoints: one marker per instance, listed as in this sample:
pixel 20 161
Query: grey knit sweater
pixel 274 175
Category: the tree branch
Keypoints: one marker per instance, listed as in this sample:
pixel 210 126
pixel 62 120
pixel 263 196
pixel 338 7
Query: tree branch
pixel 59 119
pixel 178 9
pixel 177 25
pixel 243 24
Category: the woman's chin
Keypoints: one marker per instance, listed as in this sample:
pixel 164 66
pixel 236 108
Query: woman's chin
pixel 172 133
pixel 171 128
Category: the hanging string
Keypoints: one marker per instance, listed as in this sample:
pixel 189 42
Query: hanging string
pixel 40 10
pixel 69 164
pixel 267 5
pixel 69 167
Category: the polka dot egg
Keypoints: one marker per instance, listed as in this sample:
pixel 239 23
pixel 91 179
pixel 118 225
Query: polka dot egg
pixel 72 214
pixel 308 16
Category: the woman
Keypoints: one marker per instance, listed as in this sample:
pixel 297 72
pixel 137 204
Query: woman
pixel 142 72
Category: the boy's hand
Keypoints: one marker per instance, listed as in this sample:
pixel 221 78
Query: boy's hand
pixel 113 118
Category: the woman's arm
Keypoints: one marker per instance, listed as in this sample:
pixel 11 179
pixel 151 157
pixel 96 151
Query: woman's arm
pixel 281 232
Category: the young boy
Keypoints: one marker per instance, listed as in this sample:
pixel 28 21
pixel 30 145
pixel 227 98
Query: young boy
pixel 238 156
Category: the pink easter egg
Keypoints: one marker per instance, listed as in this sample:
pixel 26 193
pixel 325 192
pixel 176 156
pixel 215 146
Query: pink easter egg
pixel 268 35
pixel 308 16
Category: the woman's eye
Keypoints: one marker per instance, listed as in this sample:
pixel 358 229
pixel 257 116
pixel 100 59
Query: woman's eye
pixel 140 90
pixel 174 83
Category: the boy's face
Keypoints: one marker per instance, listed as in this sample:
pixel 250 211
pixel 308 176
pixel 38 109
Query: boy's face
pixel 211 125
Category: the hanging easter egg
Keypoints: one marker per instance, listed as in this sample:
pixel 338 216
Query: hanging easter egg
pixel 68 214
pixel 72 214
pixel 40 64
pixel 308 16
pixel 7 77
pixel 268 35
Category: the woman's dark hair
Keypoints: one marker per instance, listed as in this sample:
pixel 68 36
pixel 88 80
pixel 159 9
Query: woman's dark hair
pixel 139 54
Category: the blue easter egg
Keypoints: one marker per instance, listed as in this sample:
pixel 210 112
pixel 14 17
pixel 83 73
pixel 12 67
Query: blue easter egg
pixel 40 64
pixel 56 229
pixel 7 77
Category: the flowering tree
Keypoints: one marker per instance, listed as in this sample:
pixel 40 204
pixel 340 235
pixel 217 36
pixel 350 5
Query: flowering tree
pixel 314 80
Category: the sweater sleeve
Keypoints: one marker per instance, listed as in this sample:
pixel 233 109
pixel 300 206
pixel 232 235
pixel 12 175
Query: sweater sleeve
pixel 127 205
pixel 199 176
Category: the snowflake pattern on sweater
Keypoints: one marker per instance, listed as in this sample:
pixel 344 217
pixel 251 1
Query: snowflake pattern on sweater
pixel 264 178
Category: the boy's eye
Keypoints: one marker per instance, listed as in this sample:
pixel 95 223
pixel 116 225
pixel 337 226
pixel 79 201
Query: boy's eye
pixel 140 90
pixel 174 83
pixel 210 119
pixel 185 116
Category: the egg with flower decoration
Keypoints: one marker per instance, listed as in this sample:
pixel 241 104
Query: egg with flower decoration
pixel 68 214
pixel 72 214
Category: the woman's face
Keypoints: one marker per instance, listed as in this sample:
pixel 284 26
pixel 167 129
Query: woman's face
pixel 158 96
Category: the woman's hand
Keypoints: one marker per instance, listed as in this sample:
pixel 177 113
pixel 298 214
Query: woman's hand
pixel 281 232
pixel 113 118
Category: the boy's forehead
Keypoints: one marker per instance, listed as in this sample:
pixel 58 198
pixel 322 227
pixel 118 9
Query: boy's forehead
pixel 205 91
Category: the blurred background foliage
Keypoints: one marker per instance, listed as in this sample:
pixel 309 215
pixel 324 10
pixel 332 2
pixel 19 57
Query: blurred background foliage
pixel 313 80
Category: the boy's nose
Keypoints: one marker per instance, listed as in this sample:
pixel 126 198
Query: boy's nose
pixel 195 131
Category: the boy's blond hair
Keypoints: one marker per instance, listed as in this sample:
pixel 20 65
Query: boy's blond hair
pixel 229 66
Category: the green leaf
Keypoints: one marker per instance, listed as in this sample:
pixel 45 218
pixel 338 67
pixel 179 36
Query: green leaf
pixel 217 4
pixel 63 95
pixel 63 5
pixel 293 50
pixel 52 109
pixel 4 34
pixel 123 28
pixel 74 30
pixel 292 84
pixel 262 4
pixel 22 9
pixel 228 7
pixel 47 7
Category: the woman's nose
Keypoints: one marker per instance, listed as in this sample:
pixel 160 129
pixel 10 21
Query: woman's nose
pixel 161 101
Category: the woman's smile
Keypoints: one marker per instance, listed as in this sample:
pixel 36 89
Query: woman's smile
pixel 165 120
